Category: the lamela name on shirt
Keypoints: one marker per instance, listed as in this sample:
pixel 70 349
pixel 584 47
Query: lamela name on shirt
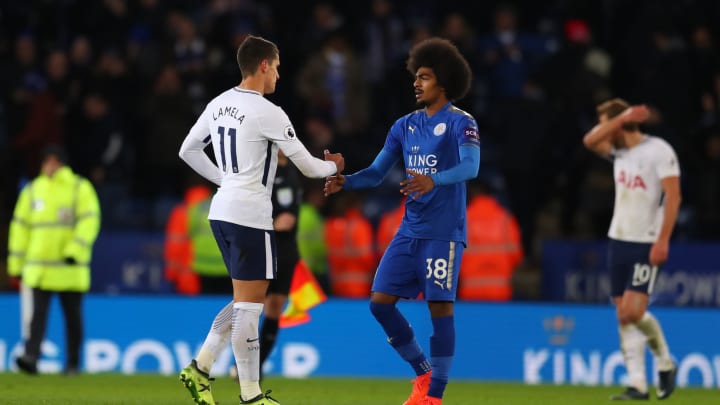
pixel 228 111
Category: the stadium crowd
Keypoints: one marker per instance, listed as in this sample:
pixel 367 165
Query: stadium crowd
pixel 119 82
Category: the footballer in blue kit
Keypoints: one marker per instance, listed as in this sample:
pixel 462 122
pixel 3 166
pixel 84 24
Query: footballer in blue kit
pixel 432 235
pixel 440 147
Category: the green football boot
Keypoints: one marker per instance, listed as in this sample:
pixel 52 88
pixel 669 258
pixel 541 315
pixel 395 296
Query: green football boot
pixel 198 383
pixel 262 399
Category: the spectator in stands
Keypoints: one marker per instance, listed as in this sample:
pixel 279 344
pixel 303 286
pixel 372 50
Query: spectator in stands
pixel 43 125
pixel 704 62
pixel 708 200
pixel 332 82
pixel 575 79
pixel 190 57
pixel 167 113
pixel 101 150
pixel 528 169
pixel 384 49
pixel 324 19
pixel 509 55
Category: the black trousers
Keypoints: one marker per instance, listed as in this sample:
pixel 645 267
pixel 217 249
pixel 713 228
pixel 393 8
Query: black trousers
pixel 71 303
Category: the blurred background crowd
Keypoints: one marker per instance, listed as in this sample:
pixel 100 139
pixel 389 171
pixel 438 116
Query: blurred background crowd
pixel 120 82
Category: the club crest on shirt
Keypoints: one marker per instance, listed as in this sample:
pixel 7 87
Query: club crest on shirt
pixel 289 132
pixel 439 129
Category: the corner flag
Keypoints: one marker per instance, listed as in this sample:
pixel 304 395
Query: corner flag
pixel 305 293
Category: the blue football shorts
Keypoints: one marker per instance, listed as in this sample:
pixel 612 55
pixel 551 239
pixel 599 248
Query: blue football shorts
pixel 629 266
pixel 249 253
pixel 411 266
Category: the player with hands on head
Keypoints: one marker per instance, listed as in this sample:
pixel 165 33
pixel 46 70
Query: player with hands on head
pixel 647 201
pixel 245 130
pixel 440 147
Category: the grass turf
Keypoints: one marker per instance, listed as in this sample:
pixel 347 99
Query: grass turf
pixel 159 390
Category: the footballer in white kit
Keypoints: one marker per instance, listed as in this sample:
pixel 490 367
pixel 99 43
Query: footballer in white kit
pixel 245 130
pixel 638 172
pixel 639 211
pixel 647 200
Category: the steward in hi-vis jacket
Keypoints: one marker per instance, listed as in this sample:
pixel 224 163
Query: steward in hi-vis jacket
pixel 54 227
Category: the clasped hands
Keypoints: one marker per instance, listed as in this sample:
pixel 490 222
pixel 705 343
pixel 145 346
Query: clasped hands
pixel 415 186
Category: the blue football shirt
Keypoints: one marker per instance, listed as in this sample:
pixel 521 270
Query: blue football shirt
pixel 430 145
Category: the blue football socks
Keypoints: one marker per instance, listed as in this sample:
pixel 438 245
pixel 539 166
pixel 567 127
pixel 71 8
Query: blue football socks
pixel 442 351
pixel 401 336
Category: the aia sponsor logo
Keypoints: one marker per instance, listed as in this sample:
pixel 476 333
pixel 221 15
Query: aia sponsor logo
pixel 631 181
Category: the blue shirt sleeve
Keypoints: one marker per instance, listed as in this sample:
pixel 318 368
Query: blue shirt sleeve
pixel 465 170
pixel 374 174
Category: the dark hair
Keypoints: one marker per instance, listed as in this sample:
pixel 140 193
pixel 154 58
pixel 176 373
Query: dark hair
pixel 55 150
pixel 614 107
pixel 449 65
pixel 252 51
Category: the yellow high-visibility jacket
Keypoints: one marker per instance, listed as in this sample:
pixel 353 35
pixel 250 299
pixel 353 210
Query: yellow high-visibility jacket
pixel 55 218
pixel 206 257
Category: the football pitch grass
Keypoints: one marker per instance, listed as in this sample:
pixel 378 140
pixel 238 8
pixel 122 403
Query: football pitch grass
pixel 160 390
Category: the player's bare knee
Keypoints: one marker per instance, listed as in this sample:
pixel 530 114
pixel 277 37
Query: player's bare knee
pixel 630 315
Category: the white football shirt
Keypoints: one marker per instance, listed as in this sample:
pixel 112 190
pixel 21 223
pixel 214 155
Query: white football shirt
pixel 638 212
pixel 245 130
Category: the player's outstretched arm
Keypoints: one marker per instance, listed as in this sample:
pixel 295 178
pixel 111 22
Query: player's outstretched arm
pixel 313 167
pixel 371 176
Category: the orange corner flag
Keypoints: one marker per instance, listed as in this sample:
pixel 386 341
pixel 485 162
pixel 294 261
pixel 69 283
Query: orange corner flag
pixel 305 293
